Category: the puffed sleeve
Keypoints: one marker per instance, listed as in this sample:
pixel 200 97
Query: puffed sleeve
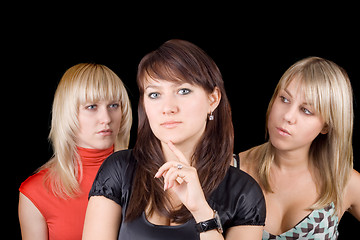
pixel 239 200
pixel 250 207
pixel 114 177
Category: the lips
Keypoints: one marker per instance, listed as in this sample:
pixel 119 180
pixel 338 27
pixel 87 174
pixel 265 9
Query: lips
pixel 105 132
pixel 170 124
pixel 283 131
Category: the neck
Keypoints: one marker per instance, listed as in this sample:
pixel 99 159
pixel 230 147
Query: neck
pixel 186 149
pixel 291 160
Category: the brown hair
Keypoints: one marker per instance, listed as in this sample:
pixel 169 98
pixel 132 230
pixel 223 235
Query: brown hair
pixel 180 61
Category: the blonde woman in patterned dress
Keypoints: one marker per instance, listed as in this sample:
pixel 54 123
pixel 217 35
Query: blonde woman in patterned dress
pixel 306 168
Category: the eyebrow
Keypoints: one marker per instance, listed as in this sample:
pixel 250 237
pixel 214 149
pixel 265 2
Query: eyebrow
pixel 287 91
pixel 304 103
pixel 152 86
pixel 156 87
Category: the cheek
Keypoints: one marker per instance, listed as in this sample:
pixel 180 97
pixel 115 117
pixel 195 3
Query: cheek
pixel 152 115
pixel 310 130
pixel 116 119
pixel 85 124
pixel 273 115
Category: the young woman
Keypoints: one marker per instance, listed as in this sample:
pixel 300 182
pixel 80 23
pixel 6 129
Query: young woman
pixel 306 168
pixel 91 117
pixel 176 183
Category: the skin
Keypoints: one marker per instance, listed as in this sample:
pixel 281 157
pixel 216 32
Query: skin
pixel 93 119
pixel 293 125
pixel 99 124
pixel 177 114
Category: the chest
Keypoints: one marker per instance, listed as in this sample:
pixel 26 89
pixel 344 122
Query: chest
pixel 141 228
pixel 289 204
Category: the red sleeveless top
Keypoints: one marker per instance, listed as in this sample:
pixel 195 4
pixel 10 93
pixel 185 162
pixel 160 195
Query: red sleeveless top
pixel 65 217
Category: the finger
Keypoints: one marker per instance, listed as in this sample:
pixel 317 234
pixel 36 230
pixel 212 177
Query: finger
pixel 167 178
pixel 163 169
pixel 177 153
pixel 174 177
pixel 166 167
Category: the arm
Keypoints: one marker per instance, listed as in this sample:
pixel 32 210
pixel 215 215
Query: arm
pixel 32 222
pixel 237 232
pixel 102 220
pixel 245 232
pixel 352 197
pixel 189 191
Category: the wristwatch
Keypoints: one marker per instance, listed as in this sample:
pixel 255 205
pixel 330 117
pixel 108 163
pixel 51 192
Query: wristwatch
pixel 214 223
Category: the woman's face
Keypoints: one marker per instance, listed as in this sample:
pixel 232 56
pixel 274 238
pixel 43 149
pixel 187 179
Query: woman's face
pixel 99 124
pixel 178 112
pixel 293 123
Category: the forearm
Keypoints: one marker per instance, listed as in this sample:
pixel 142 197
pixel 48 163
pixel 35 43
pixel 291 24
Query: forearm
pixel 204 214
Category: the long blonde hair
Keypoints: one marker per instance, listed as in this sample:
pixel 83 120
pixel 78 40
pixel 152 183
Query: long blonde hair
pixel 79 84
pixel 327 87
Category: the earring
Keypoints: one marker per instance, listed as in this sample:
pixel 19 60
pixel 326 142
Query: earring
pixel 211 116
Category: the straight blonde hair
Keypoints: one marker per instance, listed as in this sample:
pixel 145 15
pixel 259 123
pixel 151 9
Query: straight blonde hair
pixel 85 82
pixel 327 88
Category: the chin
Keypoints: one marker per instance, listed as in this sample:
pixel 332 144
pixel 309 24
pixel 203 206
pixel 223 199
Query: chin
pixel 103 145
pixel 174 140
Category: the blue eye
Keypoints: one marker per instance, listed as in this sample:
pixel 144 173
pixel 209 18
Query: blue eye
pixel 154 95
pixel 284 99
pixel 306 111
pixel 114 105
pixel 184 91
pixel 91 107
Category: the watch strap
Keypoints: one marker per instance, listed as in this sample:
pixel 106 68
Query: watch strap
pixel 214 223
pixel 206 225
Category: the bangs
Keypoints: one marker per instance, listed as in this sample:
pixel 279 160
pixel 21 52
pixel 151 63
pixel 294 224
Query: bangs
pixel 162 71
pixel 316 91
pixel 98 84
pixel 179 61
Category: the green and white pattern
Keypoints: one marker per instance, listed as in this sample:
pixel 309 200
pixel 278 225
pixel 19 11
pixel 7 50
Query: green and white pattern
pixel 320 224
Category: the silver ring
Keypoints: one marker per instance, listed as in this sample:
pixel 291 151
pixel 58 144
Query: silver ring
pixel 179 166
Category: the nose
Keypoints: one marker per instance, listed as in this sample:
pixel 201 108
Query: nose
pixel 170 106
pixel 290 115
pixel 104 116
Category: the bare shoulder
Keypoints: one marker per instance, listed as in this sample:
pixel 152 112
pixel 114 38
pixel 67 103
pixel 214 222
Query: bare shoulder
pixel 352 194
pixel 248 160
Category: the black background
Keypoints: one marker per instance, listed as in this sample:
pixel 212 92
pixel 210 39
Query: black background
pixel 252 46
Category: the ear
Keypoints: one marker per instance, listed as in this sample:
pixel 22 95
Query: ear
pixel 214 99
pixel 325 129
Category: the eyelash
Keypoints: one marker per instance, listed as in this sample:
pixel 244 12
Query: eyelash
pixel 182 91
pixel 92 107
pixel 304 110
pixel 284 99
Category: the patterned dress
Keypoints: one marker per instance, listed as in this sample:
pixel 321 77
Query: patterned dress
pixel 320 224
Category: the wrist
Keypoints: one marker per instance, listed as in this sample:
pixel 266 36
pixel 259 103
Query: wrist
pixel 211 224
pixel 203 214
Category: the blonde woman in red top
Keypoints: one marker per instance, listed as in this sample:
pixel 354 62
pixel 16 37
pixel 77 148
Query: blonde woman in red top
pixel 91 117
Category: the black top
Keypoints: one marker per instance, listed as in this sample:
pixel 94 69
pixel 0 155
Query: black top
pixel 238 200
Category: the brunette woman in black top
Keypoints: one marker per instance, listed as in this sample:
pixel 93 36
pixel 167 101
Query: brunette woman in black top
pixel 176 183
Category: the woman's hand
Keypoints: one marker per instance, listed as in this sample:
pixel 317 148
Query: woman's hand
pixel 184 181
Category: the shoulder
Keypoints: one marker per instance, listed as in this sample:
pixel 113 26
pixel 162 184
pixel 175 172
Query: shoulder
pixel 114 178
pixel 352 194
pixel 240 196
pixel 249 160
pixel 118 161
pixel 34 189
pixel 242 183
pixel 34 183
